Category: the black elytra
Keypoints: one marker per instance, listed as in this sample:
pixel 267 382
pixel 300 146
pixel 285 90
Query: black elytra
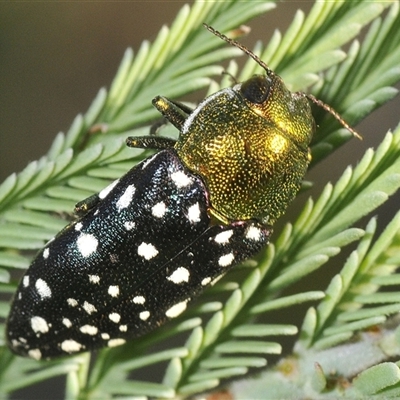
pixel 131 263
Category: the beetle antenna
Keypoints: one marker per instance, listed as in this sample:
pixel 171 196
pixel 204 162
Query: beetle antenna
pixel 334 114
pixel 245 50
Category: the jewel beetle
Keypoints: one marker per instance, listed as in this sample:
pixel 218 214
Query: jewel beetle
pixel 152 240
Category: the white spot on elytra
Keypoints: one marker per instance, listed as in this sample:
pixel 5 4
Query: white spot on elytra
pixel 159 209
pixel 89 330
pixel 113 290
pixel 123 328
pixel 129 225
pixel 114 317
pixel 67 322
pixel 177 309
pixel 35 354
pixel 139 300
pixel 46 253
pixel 22 340
pixel 147 251
pixel 206 281
pixel 253 233
pixel 43 289
pixel 71 346
pixel 105 336
pixel 126 198
pixel 108 189
pixel 179 275
pixel 115 342
pixel 39 325
pixel 181 179
pixel 87 244
pixel 89 308
pixel 144 315
pixel 223 237
pixel 25 281
pixel 194 213
pixel 72 302
pixel 226 260
pixel 78 226
pixel 94 278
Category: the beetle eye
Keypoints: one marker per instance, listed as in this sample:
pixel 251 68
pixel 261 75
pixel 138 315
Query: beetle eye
pixel 256 89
